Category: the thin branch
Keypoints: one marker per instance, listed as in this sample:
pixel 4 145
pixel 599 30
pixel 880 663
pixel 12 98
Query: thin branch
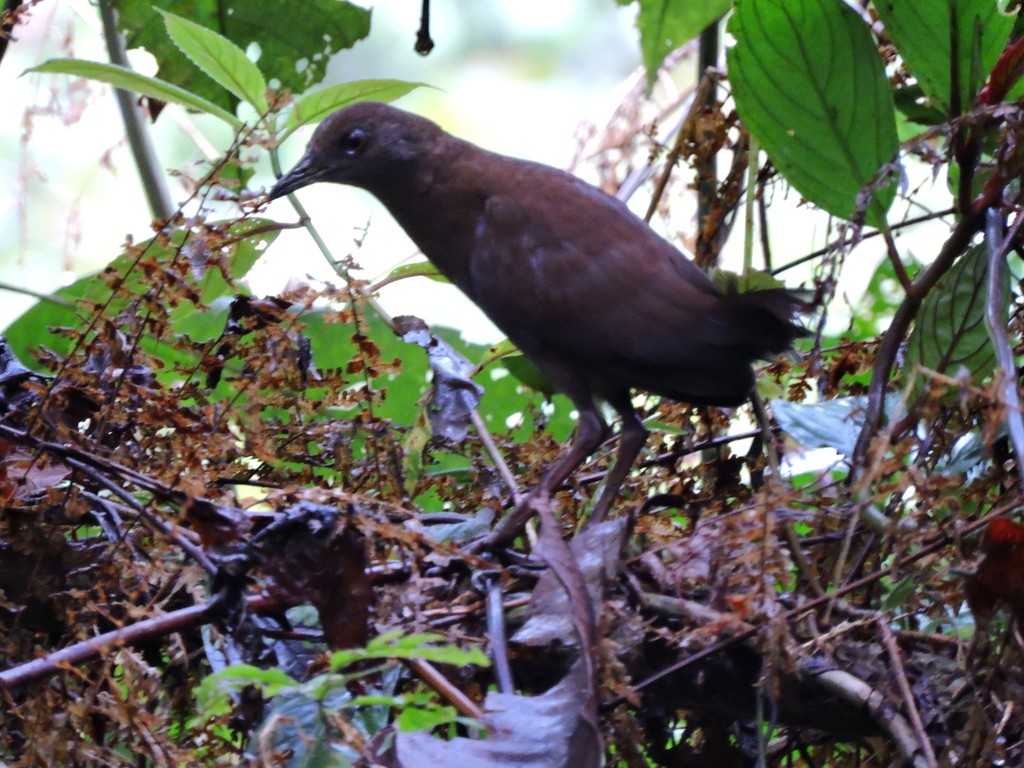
pixel 499 461
pixel 995 319
pixel 36 670
pixel 897 263
pixel 153 181
pixel 706 167
pixel 842 241
pixel 929 548
pixel 856 691
pixel 424 42
pixel 89 463
pixel 957 243
pixel 496 632
pixel 154 522
pixel 684 134
pixel 430 674
pixel 896 663
pixel 49 298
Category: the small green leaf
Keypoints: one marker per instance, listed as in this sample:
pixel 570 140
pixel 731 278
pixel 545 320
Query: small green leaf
pixel 425 718
pixel 214 693
pixel 809 84
pixel 950 332
pixel 31 328
pixel 832 424
pixel 295 46
pixel 426 646
pixel 463 533
pixel 315 106
pixel 219 58
pixel 129 80
pixel 415 269
pixel 901 594
pixel 732 282
pixel 413 443
pixel 922 32
pixel 529 374
pixel 519 365
pixel 665 25
pixel 499 351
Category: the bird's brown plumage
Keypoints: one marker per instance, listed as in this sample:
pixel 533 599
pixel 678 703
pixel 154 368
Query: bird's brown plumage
pixel 598 301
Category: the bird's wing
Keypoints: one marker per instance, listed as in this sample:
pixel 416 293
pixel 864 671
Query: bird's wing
pixel 577 272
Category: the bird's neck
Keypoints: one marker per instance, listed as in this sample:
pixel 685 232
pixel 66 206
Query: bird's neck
pixel 440 207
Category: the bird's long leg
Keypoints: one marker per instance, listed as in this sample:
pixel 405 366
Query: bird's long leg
pixel 589 436
pixel 631 442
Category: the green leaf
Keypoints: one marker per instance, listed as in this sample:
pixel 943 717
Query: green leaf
pixel 219 58
pixel 529 374
pixel 213 696
pixel 315 106
pixel 832 424
pixel 30 329
pixel 295 44
pixel 922 32
pixel 970 454
pixel 950 332
pixel 665 25
pixel 463 533
pixel 425 718
pixel 901 594
pixel 413 443
pixel 403 271
pixel 299 726
pixel 912 104
pixel 129 80
pixel 426 646
pixel 730 282
pixel 809 84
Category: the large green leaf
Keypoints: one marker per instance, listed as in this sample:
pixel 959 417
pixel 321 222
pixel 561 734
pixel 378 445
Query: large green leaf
pixel 315 106
pixel 922 32
pixel 664 25
pixel 832 424
pixel 504 395
pixel 295 40
pixel 950 332
pixel 32 328
pixel 810 86
pixel 121 77
pixel 219 58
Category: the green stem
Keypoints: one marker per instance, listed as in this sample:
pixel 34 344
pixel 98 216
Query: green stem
pixel 337 266
pixel 748 214
pixel 153 183
pixel 36 295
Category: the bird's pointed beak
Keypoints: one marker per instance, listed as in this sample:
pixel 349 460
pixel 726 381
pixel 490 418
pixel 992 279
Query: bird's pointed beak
pixel 305 172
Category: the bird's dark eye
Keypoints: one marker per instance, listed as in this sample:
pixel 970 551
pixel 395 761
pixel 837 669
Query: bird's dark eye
pixel 354 142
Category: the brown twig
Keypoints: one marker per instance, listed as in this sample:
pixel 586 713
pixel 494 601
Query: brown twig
pixel 842 241
pixel 154 522
pixel 854 690
pixel 927 549
pixel 36 670
pixel 896 663
pixel 956 244
pixel 429 674
pixel 995 319
pixel 499 461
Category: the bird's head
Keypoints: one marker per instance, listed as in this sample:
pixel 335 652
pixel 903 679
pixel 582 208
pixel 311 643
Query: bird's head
pixel 367 145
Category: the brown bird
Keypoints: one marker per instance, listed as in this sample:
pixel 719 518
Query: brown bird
pixel 594 297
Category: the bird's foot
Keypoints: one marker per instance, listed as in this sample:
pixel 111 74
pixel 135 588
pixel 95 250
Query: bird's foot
pixel 513 524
